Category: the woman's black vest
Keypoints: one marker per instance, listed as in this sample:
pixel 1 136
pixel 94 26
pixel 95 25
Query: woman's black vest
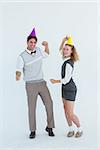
pixel 64 67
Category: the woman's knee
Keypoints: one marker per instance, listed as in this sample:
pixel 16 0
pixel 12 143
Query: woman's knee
pixel 69 114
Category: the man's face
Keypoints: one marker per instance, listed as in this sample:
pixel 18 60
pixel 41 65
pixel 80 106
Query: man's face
pixel 31 44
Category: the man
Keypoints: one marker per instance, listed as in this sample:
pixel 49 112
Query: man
pixel 30 63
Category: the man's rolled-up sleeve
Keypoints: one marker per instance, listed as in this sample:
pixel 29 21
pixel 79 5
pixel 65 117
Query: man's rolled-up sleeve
pixel 44 54
pixel 20 64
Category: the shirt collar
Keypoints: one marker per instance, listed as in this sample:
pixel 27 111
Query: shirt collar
pixel 30 51
pixel 65 59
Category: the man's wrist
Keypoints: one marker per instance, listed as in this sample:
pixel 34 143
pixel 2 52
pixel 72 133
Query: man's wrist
pixel 46 47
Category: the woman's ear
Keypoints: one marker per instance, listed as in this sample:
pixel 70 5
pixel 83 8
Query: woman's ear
pixel 72 48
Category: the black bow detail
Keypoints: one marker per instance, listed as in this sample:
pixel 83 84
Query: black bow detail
pixel 33 52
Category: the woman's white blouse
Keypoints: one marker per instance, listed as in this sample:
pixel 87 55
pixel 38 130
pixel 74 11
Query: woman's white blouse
pixel 68 73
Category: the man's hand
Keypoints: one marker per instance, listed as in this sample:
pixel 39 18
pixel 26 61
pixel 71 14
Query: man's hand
pixel 18 75
pixel 17 78
pixel 45 44
pixel 53 81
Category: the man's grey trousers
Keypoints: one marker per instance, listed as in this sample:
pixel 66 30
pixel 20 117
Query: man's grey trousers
pixel 33 90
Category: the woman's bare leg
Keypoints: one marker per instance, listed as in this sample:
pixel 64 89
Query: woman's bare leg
pixel 69 121
pixel 76 121
pixel 70 116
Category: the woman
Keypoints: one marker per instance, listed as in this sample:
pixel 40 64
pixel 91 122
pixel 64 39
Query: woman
pixel 69 88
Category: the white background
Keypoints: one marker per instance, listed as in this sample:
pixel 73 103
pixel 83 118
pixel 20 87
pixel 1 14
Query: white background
pixel 52 22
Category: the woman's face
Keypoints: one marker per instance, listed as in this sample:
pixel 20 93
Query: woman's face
pixel 67 51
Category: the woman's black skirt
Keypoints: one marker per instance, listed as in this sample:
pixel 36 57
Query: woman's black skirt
pixel 69 91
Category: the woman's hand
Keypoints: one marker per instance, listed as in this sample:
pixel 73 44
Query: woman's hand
pixel 63 41
pixel 53 81
pixel 65 38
